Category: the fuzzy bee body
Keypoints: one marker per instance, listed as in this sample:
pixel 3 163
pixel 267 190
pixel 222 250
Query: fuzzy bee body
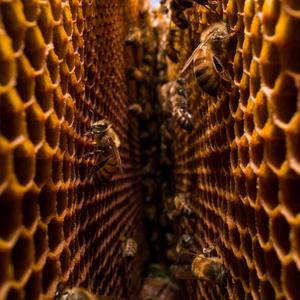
pixel 177 8
pixel 186 242
pixel 129 247
pixel 173 44
pixel 65 292
pixel 191 266
pixel 182 205
pixel 209 58
pixel 179 100
pixel 211 269
pixel 134 37
pixel 135 108
pixel 136 74
pixel 108 161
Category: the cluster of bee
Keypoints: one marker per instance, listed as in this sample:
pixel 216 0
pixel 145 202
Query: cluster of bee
pixel 65 292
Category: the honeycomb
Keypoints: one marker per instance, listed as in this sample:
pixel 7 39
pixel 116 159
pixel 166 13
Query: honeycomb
pixel 241 162
pixel 62 67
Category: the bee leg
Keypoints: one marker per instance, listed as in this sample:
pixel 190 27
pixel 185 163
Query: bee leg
pixel 93 152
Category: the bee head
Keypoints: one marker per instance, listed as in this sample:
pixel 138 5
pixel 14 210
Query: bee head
pixel 101 126
pixel 62 292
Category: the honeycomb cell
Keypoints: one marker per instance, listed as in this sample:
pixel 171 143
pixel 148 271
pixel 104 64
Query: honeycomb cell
pixel 270 15
pixel 14 294
pixel 284 98
pixel 246 243
pixel 5 266
pixel 35 48
pixel 243 151
pixel 52 130
pixel 258 255
pixel 40 243
pixel 275 147
pixel 248 13
pixel 269 63
pixel 46 23
pixel 291 279
pixel 244 90
pixel 60 41
pixel 273 266
pixel 44 91
pixel 10 213
pixel 53 66
pixel 47 201
pixel 25 78
pixel 33 286
pixel 31 10
pixel 280 234
pixel 24 162
pixel 256 36
pixel 254 284
pixel 59 103
pixel 239 292
pixel 8 66
pixel 35 123
pixel 254 78
pixel 14 22
pixel 65 259
pixel 289 194
pixel 43 164
pixel 55 234
pixel 50 273
pixel 268 188
pixel 56 8
pixel 30 209
pixel 267 290
pixel 4 161
pixel 22 257
pixel 238 66
pixel 262 225
pixel 67 20
pixel 11 115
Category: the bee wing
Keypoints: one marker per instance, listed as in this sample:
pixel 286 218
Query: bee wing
pixel 116 153
pixel 198 48
pixel 220 69
pixel 185 257
pixel 182 272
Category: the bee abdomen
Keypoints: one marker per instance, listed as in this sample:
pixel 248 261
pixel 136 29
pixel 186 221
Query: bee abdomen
pixel 105 173
pixel 207 78
pixel 184 119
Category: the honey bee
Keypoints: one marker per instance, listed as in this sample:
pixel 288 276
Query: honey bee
pixel 180 106
pixel 129 247
pixel 202 268
pixel 134 37
pixel 191 265
pixel 182 205
pixel 211 250
pixel 209 58
pixel 65 292
pixel 177 8
pixel 108 160
pixel 186 242
pixel 135 108
pixel 172 45
pixel 136 74
pixel 163 7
